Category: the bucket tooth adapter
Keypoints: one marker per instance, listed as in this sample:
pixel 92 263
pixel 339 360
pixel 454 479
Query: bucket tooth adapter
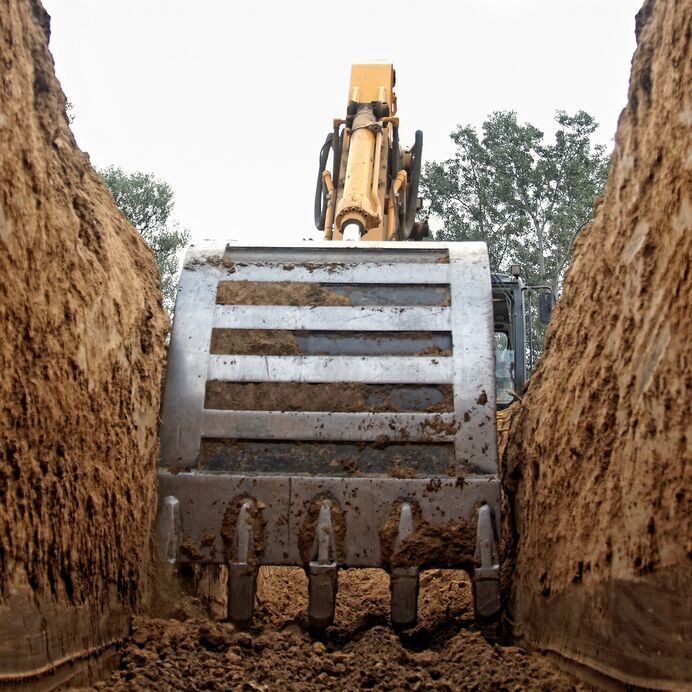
pixel 322 570
pixel 404 580
pixel 331 404
pixel 242 568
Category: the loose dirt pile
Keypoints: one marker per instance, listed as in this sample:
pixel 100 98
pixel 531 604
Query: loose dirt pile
pixel 599 464
pixel 444 652
pixel 81 348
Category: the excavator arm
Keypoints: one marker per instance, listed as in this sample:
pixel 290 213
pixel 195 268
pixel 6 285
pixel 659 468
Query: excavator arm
pixel 331 404
pixel 371 192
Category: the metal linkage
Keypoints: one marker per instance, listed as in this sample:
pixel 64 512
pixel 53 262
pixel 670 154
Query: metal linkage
pixel 404 580
pixel 486 578
pixel 322 572
pixel 242 574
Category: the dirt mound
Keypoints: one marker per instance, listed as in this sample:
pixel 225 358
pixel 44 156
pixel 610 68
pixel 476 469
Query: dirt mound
pixel 599 464
pixel 360 651
pixel 80 356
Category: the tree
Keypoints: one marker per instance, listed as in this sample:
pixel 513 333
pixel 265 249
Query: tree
pixel 147 203
pixel 524 197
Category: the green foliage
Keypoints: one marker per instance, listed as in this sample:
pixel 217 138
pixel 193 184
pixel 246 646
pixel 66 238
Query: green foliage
pixel 147 203
pixel 524 197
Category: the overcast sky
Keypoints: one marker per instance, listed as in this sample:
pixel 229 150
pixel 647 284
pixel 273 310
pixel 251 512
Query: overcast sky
pixel 230 102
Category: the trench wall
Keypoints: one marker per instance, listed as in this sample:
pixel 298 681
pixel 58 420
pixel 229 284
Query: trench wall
pixel 81 350
pixel 598 468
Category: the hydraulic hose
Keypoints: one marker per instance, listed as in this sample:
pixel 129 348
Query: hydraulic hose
pixel 320 192
pixel 338 145
pixel 395 167
pixel 396 158
pixel 414 180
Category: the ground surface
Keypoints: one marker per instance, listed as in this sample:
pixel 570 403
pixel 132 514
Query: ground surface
pixel 444 652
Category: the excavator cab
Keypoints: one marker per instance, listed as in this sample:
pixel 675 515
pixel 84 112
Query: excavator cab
pixel 331 404
pixel 509 332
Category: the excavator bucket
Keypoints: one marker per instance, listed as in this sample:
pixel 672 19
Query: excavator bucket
pixel 332 405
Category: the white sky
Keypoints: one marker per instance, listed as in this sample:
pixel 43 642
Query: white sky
pixel 230 102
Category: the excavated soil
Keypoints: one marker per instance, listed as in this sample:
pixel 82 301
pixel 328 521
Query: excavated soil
pixel 253 342
pixel 598 467
pixel 277 293
pixel 334 397
pixel 284 342
pixel 361 651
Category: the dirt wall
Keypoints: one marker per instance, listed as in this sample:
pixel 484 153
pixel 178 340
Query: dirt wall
pixel 81 347
pixel 598 468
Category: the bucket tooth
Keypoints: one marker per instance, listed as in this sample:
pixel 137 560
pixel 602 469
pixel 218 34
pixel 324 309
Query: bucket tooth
pixel 242 574
pixel 323 572
pixel 169 528
pixel 486 578
pixel 404 580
